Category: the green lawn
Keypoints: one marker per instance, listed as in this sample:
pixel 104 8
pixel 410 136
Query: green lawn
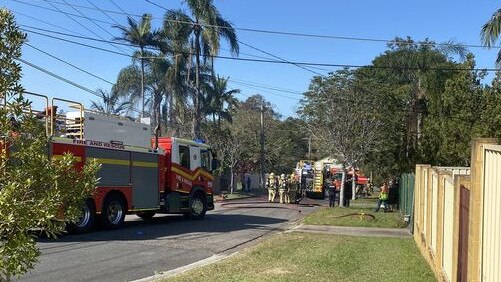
pixel 336 216
pixel 317 257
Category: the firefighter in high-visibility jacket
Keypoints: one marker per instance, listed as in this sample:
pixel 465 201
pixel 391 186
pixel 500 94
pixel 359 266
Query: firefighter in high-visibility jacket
pixel 271 184
pixel 282 189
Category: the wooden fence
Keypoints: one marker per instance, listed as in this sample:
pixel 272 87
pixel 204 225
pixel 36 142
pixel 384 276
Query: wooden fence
pixel 457 216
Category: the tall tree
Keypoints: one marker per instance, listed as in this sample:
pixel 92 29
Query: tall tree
pixel 490 32
pixel 156 84
pixel 343 118
pixel 219 100
pixel 206 28
pixel 452 119
pixel 140 34
pixel 409 77
pixel 111 103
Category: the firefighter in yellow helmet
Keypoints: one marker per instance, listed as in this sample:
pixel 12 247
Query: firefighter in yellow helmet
pixel 271 184
pixel 282 189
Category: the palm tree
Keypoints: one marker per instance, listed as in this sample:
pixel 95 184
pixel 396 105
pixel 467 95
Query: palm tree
pixel 159 67
pixel 220 100
pixel 205 29
pixel 110 104
pixel 141 35
pixel 156 84
pixel 490 33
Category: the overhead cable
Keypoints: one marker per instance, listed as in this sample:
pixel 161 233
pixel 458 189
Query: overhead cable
pixel 281 62
pixel 288 33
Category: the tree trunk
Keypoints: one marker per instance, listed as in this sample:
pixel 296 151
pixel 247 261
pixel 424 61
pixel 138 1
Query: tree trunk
pixel 158 113
pixel 196 98
pixel 353 185
pixel 172 117
pixel 142 82
pixel 341 193
pixel 232 180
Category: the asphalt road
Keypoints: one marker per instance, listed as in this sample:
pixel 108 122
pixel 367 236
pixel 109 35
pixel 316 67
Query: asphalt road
pixel 141 249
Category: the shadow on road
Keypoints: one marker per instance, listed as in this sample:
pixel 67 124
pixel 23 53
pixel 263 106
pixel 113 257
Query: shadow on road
pixel 175 227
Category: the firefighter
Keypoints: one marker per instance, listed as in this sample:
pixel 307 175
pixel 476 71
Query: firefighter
pixel 271 184
pixel 288 188
pixel 282 188
pixel 295 193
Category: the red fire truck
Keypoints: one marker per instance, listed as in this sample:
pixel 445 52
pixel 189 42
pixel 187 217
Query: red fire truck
pixel 139 174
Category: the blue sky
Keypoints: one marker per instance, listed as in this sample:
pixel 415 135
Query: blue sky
pixel 438 20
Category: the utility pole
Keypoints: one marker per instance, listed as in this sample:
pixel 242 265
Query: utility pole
pixel 263 169
pixel 309 147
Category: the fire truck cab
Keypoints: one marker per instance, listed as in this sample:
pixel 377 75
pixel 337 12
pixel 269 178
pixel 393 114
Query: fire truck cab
pixel 139 174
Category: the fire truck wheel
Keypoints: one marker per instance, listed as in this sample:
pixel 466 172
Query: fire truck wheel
pixel 198 207
pixel 146 215
pixel 86 221
pixel 113 213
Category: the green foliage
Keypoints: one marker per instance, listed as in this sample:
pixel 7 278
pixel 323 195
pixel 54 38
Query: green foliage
pixel 489 124
pixel 203 36
pixel 11 39
pixel 428 106
pixel 35 191
pixel 452 119
pixel 111 103
pixel 341 115
pixel 237 143
pixel 490 32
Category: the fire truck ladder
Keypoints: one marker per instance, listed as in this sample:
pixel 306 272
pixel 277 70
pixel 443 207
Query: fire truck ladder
pixel 69 127
pixel 55 123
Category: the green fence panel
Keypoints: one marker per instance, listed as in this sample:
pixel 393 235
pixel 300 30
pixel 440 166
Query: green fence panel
pixel 406 196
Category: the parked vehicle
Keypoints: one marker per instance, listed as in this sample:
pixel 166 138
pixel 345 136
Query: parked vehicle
pixel 139 174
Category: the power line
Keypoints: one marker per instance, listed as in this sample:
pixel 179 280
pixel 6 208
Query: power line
pixel 108 41
pixel 280 62
pixel 277 57
pixel 264 87
pixel 59 77
pixel 123 11
pixel 257 49
pixel 79 23
pixel 46 22
pixel 91 20
pixel 102 11
pixel 257 88
pixel 106 16
pixel 155 4
pixel 56 10
pixel 275 32
pixel 41 69
pixel 286 90
pixel 79 43
pixel 70 64
pixel 248 45
pixel 248 84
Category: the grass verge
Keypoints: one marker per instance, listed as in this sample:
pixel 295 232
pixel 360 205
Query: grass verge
pixel 339 216
pixel 318 257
